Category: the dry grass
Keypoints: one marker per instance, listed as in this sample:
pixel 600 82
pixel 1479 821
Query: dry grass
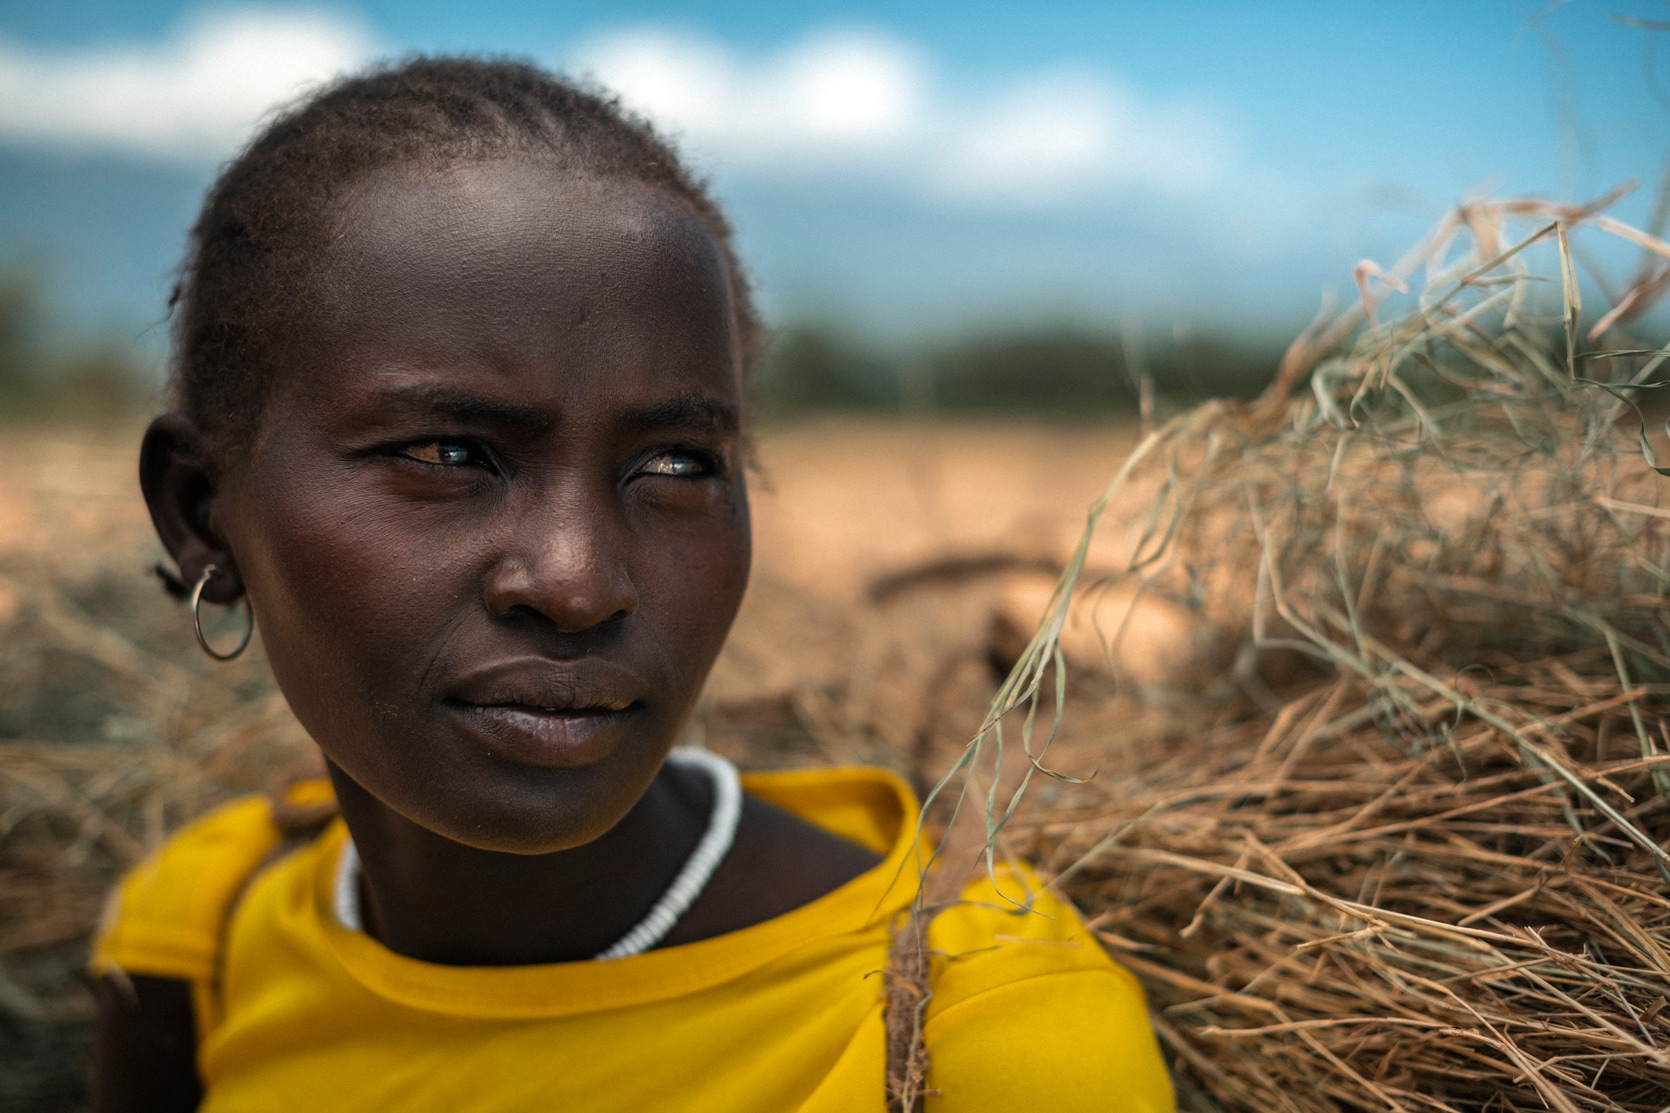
pixel 1361 690
pixel 1412 854
pixel 114 729
pixel 1328 918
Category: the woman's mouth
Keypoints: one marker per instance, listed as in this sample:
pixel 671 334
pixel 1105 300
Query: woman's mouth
pixel 547 737
pixel 554 715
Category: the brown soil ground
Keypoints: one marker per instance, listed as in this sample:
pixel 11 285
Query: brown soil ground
pixel 897 570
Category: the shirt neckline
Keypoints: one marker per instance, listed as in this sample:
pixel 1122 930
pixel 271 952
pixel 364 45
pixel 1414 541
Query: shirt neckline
pixel 559 989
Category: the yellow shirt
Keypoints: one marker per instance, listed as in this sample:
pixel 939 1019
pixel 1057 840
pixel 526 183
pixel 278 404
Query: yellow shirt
pixel 297 1012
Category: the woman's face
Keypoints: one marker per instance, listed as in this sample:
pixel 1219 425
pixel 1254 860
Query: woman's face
pixel 494 526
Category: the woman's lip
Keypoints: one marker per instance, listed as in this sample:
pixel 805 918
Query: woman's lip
pixel 549 738
pixel 535 708
pixel 534 683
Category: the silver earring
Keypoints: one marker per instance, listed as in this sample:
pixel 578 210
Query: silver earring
pixel 197 618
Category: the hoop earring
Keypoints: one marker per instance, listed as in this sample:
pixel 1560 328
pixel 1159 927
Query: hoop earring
pixel 197 618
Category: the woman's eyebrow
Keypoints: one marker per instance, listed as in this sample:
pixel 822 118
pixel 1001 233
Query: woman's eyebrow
pixel 443 401
pixel 689 410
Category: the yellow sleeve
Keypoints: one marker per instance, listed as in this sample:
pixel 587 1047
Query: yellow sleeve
pixel 1063 1043
pixel 167 916
pixel 1029 1012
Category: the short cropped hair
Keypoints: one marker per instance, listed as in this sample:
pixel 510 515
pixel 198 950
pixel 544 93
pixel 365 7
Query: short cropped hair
pixel 249 275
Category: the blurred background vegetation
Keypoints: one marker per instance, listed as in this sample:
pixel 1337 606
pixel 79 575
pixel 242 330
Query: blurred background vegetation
pixel 1062 369
pixel 1053 370
pixel 47 374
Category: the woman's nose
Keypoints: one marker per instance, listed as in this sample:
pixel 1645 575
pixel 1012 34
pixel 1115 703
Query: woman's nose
pixel 566 567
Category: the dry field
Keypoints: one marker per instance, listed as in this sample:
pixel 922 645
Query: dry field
pixel 855 523
pixel 1350 728
pixel 114 728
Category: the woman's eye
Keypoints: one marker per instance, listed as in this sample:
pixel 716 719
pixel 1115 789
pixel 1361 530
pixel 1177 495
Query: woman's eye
pixel 445 453
pixel 680 465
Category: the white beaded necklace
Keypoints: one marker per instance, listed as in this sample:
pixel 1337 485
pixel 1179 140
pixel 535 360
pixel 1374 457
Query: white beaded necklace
pixel 680 895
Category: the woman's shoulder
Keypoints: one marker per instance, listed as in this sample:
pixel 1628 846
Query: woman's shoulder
pixel 1029 1010
pixel 167 916
pixel 1009 927
pixel 865 804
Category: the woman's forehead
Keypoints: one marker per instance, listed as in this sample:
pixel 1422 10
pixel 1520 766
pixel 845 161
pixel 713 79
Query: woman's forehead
pixel 515 206
pixel 487 246
pixel 520 281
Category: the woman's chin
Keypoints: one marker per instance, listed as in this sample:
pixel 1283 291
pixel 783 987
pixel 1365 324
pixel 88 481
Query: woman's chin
pixel 505 808
pixel 526 830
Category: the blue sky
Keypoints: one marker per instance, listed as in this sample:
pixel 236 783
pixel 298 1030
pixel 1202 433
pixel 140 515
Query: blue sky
pixel 904 167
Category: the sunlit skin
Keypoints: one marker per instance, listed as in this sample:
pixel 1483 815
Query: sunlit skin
pixel 494 529
pixel 503 477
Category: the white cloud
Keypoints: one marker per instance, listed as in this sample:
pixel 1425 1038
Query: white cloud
pixel 867 104
pixel 836 95
pixel 1065 133
pixel 192 98
pixel 839 102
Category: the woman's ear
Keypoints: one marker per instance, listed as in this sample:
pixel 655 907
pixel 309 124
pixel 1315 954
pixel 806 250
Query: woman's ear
pixel 180 491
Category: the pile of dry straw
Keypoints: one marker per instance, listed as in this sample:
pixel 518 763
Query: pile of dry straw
pixel 1402 850
pixel 1417 861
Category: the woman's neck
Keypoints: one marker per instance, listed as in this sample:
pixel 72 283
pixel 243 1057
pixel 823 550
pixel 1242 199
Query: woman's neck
pixel 430 898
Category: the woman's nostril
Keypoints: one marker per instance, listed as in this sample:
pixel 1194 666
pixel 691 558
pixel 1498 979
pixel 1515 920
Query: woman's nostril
pixel 573 598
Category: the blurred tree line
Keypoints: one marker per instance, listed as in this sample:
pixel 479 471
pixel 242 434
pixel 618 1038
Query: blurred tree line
pixel 1062 370
pixel 1052 370
pixel 42 379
